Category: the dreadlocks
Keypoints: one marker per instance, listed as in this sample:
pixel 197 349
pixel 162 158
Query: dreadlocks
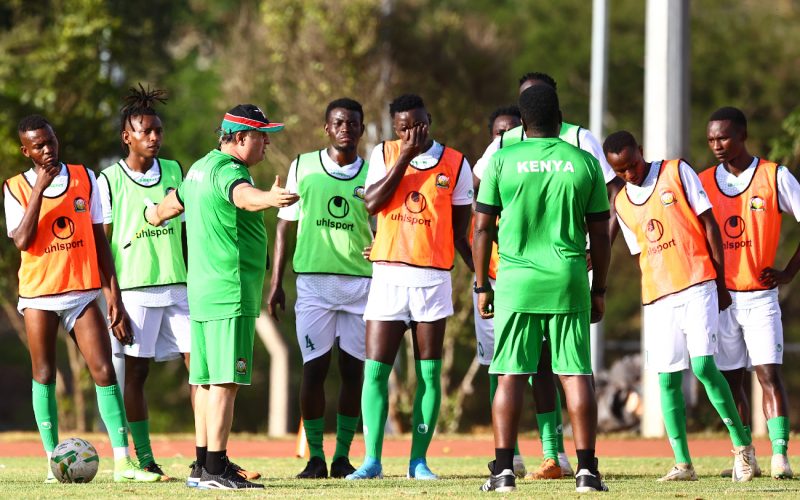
pixel 139 102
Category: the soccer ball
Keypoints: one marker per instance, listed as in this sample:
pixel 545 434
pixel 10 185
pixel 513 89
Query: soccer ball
pixel 74 461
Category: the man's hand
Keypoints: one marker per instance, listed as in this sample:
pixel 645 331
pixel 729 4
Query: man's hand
pixel 598 307
pixel 119 322
pixel 771 277
pixel 366 251
pixel 279 197
pixel 412 140
pixel 276 298
pixel 486 304
pixel 46 175
pixel 724 298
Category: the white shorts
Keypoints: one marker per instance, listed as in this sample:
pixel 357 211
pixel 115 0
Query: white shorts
pixel 68 306
pixel 320 322
pixel 484 332
pixel 750 337
pixel 677 332
pixel 388 302
pixel 162 333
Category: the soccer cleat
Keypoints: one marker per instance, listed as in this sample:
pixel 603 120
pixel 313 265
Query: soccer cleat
pixel 680 472
pixel 505 482
pixel 127 471
pixel 566 467
pixel 316 468
pixel 519 467
pixel 249 475
pixel 370 469
pixel 156 469
pixel 586 482
pixel 51 478
pixel 230 479
pixel 341 467
pixel 743 463
pixel 548 470
pixel 418 469
pixel 194 475
pixel 753 463
pixel 780 467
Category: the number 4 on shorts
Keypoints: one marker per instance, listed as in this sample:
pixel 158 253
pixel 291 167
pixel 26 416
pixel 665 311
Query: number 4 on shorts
pixel 309 344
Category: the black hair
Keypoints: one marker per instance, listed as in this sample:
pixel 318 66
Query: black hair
pixel 405 102
pixel 539 108
pixel 619 141
pixel 512 110
pixel 344 103
pixel 139 102
pixel 32 122
pixel 542 77
pixel 735 115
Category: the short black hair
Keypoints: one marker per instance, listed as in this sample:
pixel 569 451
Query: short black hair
pixel 32 122
pixel 618 141
pixel 539 107
pixel 542 77
pixel 512 110
pixel 139 102
pixel 405 102
pixel 344 103
pixel 735 115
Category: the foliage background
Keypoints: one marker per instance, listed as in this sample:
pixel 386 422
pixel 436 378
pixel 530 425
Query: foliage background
pixel 73 60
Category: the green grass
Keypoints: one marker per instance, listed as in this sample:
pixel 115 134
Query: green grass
pixel 626 478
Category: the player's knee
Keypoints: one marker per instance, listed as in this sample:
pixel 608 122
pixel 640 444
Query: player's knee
pixel 44 374
pixel 769 376
pixel 670 381
pixel 705 369
pixel 137 372
pixel 104 375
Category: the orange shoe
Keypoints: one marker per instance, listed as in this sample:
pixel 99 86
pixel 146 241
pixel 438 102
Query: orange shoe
pixel 548 470
pixel 249 475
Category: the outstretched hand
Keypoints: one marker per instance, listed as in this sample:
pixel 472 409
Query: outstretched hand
pixel 279 197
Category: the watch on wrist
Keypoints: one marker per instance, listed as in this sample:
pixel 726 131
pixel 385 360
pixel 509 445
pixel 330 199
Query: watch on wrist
pixel 481 289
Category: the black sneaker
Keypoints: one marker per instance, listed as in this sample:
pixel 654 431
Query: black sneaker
pixel 586 482
pixel 505 482
pixel 228 480
pixel 315 469
pixel 194 475
pixel 341 467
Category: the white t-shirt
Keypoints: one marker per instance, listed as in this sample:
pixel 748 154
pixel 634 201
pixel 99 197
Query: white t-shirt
pixel 150 296
pixel 587 141
pixel 788 201
pixel 698 200
pixel 335 288
pixel 400 274
pixel 15 212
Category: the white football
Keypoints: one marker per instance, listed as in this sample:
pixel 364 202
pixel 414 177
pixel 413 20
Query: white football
pixel 74 460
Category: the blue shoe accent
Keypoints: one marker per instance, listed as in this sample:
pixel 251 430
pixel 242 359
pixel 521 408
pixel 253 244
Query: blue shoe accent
pixel 418 469
pixel 370 469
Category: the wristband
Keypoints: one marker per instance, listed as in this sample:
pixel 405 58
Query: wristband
pixel 481 289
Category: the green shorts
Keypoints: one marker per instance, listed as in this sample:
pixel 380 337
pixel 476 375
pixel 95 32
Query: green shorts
pixel 222 351
pixel 519 337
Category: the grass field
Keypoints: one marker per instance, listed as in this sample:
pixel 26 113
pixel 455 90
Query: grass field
pixel 626 478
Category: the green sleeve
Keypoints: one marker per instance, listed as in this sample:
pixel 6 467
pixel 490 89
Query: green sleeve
pixel 489 193
pixel 228 176
pixel 598 199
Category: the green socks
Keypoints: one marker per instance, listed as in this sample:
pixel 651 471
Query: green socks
pixel 375 406
pixel 719 393
pixel 547 432
pixel 345 430
pixel 140 431
pixel 559 422
pixel 778 429
pixel 46 413
pixel 492 390
pixel 112 411
pixel 314 428
pixel 427 401
pixel 673 409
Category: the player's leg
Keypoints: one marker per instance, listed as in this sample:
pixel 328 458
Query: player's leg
pixel 199 379
pixel 41 330
pixel 352 351
pixel 548 417
pixel 91 335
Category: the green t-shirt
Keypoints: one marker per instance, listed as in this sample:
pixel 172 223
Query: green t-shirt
pixel 227 246
pixel 543 190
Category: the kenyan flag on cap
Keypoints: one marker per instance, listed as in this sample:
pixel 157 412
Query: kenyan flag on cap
pixel 248 117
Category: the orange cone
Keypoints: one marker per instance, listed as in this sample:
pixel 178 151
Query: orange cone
pixel 301 448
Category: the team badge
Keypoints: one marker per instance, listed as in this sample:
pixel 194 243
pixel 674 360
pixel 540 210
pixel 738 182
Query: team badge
pixel 241 366
pixel 442 181
pixel 358 192
pixel 80 205
pixel 667 198
pixel 757 204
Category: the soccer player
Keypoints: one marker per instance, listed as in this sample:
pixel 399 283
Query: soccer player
pixel 332 227
pixel 548 399
pixel 54 216
pixel 666 218
pixel 545 187
pixel 501 120
pixel 149 262
pixel 227 244
pixel 421 192
pixel 749 194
